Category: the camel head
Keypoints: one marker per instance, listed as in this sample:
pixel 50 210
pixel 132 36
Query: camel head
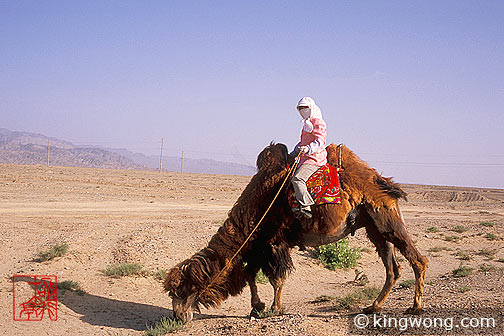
pixel 273 159
pixel 181 289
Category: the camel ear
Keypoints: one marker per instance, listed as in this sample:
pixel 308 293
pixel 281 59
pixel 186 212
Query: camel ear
pixel 285 153
pixel 173 279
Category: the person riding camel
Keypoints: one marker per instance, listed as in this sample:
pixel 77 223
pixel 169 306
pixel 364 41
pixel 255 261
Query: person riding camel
pixel 313 153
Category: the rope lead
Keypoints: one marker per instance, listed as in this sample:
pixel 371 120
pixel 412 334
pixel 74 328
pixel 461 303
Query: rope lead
pixel 228 262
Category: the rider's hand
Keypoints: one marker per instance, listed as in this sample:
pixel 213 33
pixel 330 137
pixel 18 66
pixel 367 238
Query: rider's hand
pixel 303 149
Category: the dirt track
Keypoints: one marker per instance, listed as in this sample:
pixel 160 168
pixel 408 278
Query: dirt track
pixel 112 216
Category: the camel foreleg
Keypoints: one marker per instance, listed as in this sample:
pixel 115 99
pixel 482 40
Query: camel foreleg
pixel 255 300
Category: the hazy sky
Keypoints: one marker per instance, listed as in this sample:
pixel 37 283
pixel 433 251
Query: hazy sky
pixel 416 88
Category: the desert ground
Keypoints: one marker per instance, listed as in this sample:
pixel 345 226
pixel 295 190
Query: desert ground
pixel 158 219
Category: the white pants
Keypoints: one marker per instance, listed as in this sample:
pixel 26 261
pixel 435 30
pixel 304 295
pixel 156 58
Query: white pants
pixel 302 174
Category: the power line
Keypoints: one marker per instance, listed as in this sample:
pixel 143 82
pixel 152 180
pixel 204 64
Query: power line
pixel 123 143
pixel 220 153
pixel 447 164
pixel 161 157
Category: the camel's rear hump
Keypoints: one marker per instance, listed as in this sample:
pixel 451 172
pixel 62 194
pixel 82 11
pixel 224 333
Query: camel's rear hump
pixel 362 181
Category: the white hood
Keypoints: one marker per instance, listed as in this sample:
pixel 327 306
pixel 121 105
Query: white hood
pixel 314 110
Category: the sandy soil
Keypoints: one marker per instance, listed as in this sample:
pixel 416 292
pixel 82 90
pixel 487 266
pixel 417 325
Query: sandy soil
pixel 159 219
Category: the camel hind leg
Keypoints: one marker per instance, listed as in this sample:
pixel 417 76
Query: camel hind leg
pixel 277 283
pixel 390 224
pixel 419 263
pixel 392 271
pixel 386 252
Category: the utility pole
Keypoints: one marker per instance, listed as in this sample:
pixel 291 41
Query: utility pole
pixel 161 157
pixel 48 152
pixel 182 163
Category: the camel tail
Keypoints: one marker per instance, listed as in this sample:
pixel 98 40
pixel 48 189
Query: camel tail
pixel 391 188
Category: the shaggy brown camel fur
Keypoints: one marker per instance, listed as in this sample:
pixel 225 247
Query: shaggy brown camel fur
pixel 188 283
pixel 369 198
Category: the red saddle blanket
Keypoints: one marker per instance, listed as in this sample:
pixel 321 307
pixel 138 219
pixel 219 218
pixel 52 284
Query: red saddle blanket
pixel 323 186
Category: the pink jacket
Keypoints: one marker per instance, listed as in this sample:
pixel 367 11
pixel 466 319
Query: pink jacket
pixel 316 140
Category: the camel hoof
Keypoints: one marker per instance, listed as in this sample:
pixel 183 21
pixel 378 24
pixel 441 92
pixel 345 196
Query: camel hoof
pixel 255 313
pixel 414 311
pixel 371 310
pixel 276 312
pixel 258 306
pixel 264 313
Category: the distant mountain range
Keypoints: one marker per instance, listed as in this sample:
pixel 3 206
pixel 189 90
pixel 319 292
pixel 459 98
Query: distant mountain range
pixel 31 148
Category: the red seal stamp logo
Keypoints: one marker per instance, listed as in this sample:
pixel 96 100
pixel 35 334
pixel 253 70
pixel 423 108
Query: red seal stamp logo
pixel 34 296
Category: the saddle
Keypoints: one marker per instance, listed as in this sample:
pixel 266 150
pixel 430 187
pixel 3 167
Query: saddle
pixel 323 186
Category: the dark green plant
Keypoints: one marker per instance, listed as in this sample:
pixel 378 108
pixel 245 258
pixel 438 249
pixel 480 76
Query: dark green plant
pixel 338 255
pixel 261 278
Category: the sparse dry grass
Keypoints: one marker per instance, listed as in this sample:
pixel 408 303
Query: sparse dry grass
pixel 487 253
pixel 322 298
pixel 164 326
pixel 491 236
pixel 463 289
pixel 357 297
pixel 57 250
pixel 439 249
pixel 263 314
pixel 459 229
pixel 462 271
pixel 71 285
pixel 161 274
pixel 124 269
pixel 463 255
pixel 452 238
pixel 366 250
pixel 407 283
pixel 487 268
